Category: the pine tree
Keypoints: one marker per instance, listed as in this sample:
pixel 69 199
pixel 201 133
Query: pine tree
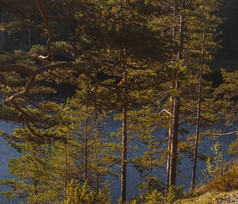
pixel 149 54
pixel 128 59
pixel 226 94
pixel 182 68
pixel 31 182
pixel 153 156
pixel 204 11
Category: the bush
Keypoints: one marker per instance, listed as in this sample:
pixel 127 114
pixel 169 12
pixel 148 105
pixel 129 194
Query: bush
pixel 76 194
pixel 152 197
pixel 226 182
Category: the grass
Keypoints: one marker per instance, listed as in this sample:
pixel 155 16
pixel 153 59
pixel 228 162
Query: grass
pixel 211 198
pixel 223 189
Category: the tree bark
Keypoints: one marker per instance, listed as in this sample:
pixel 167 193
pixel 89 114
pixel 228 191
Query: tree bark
pixel 176 104
pixel 174 139
pixel 124 140
pixel 168 166
pixel 66 169
pixel 86 151
pixel 193 181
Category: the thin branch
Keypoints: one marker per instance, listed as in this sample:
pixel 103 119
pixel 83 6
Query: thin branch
pixel 23 114
pixel 53 66
pixel 76 27
pixel 27 70
pixel 29 84
pixel 56 18
pixel 41 7
pixel 17 68
pixel 24 92
pixel 225 134
pixel 165 110
pixel 31 73
pixel 46 19
pixel 14 10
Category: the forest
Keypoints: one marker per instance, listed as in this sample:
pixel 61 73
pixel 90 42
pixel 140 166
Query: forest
pixel 72 70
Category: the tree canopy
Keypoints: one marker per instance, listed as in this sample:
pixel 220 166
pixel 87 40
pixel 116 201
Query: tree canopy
pixel 69 67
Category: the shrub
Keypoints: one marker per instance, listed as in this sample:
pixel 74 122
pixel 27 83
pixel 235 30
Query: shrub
pixel 226 182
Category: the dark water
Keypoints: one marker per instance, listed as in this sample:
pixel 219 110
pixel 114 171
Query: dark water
pixel 6 152
pixel 184 169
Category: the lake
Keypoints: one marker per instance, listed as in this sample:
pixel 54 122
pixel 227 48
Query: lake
pixel 184 169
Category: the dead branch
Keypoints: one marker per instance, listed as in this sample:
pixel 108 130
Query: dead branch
pixel 225 134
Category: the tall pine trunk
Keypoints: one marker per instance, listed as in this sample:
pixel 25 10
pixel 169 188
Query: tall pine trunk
pixel 168 157
pixel 66 176
pixel 170 131
pixel 124 139
pixel 86 151
pixel 176 106
pixel 174 139
pixel 193 181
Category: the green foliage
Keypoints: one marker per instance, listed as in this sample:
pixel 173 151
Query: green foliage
pixel 215 162
pixel 81 153
pixel 225 182
pixel 65 153
pixel 233 148
pixel 32 182
pixel 155 196
pixel 174 193
pixel 80 195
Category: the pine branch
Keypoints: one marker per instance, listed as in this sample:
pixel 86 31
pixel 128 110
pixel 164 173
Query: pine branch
pixel 12 9
pixel 41 7
pixel 46 19
pixel 32 73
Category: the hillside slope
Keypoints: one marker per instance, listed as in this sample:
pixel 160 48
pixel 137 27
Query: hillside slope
pixel 212 198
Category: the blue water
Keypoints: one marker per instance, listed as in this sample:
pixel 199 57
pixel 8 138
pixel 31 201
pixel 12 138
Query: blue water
pixel 184 169
pixel 6 152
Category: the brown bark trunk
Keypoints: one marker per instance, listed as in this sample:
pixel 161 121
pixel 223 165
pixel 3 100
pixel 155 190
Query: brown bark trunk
pixel 197 135
pixel 174 139
pixel 35 182
pixel 66 169
pixel 86 152
pixel 35 190
pixel 193 181
pixel 176 105
pixel 170 131
pixel 124 141
pixel 168 159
